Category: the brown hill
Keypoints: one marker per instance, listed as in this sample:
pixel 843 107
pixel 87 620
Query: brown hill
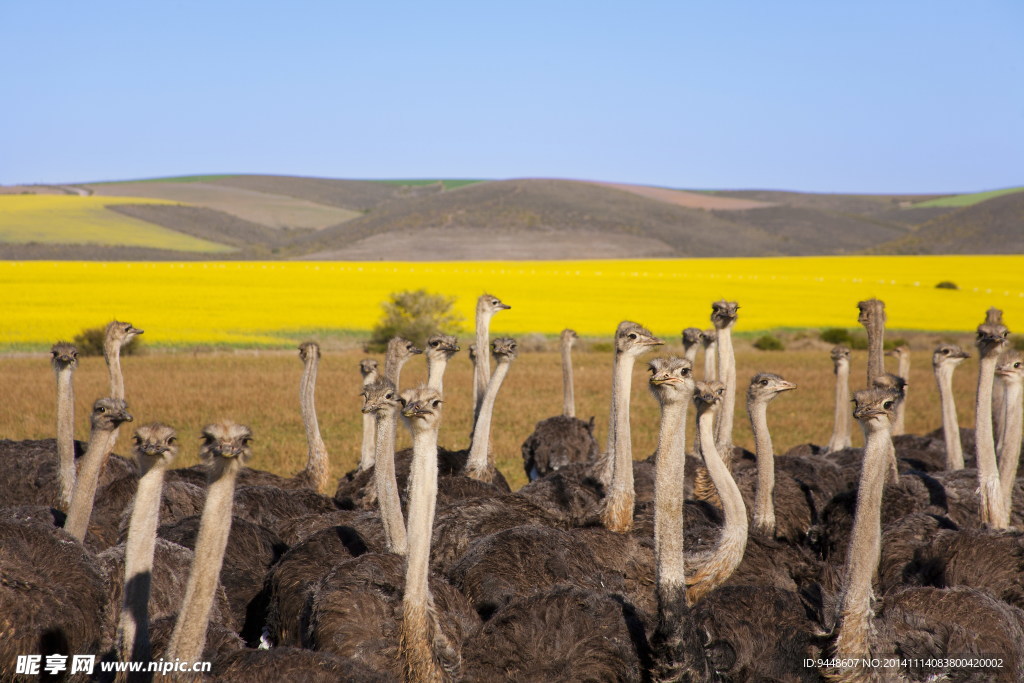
pixel 995 226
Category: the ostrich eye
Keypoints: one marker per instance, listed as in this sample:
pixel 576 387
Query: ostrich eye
pixel 101 409
pixel 1017 364
pixel 945 351
pixel 436 403
pixel 246 441
pixel 434 343
pixel 172 440
pixel 685 372
pixel 137 439
pixel 887 405
pixel 632 335
pixel 389 396
pixel 764 383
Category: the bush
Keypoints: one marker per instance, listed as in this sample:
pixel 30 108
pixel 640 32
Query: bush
pixel 89 342
pixel 414 315
pixel 768 343
pixel 946 284
pixel 836 335
pixel 858 342
pixel 893 343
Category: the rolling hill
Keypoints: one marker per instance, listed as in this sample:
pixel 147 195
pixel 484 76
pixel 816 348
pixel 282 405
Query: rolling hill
pixel 288 217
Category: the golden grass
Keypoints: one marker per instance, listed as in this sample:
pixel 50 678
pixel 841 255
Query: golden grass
pixel 69 219
pixel 280 303
pixel 261 390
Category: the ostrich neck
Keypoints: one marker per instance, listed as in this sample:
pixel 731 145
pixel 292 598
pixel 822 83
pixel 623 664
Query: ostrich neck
pixel 419 619
pixel 904 366
pixel 1009 446
pixel 690 353
pixel 368 448
pixel 668 500
pixel 841 424
pixel 726 374
pixel 112 355
pixel 189 636
pixel 711 362
pixel 993 511
pixel 618 510
pixel 482 360
pixel 479 465
pixel 568 393
pixel 435 372
pixel 65 436
pixel 101 442
pixel 764 504
pixel 855 610
pixel 876 352
pixel 393 369
pixel 133 625
pixel 386 483
pixel 950 424
pixel 315 472
pixel 714 568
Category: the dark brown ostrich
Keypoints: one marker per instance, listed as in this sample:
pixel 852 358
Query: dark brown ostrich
pixel 292 664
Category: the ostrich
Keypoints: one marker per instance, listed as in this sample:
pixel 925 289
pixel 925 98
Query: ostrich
pixel 381 400
pixel 117 335
pixel 693 338
pixel 723 317
pixel 1011 373
pixel 155 447
pixel 563 439
pixel 226 448
pixel 486 307
pixel 439 350
pixel 398 353
pixel 945 360
pixel 904 622
pixel 107 415
pixel 990 341
pixel 902 354
pixel 480 464
pixel 368 369
pixel 315 474
pixel 65 360
pixel 872 317
pixel 841 425
pixel 616 472
pixel 710 343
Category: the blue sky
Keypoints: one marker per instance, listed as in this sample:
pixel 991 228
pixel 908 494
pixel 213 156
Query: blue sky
pixel 917 96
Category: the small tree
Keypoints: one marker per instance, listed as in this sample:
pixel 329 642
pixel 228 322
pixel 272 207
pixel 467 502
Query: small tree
pixel 89 342
pixel 769 343
pixel 835 335
pixel 414 315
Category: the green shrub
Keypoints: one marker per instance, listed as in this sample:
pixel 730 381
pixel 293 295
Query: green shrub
pixel 858 342
pixel 602 346
pixel 414 315
pixel 768 343
pixel 836 335
pixel 893 343
pixel 89 342
pixel 946 284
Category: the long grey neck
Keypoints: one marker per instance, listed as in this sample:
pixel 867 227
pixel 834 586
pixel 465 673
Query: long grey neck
pixel 189 636
pixel 386 483
pixel 133 625
pixel 367 452
pixel 711 570
pixel 568 392
pixel 419 622
pixel 618 507
pixel 315 472
pixel 65 436
pixel 393 369
pixel 479 465
pixel 727 375
pixel 101 442
pixel 482 360
pixel 764 503
pixel 112 355
pixel 876 352
pixel 998 411
pixel 950 424
pixel 1009 445
pixel 854 637
pixel 690 354
pixel 668 509
pixel 993 509
pixel 899 414
pixel 841 424
pixel 711 362
pixel 435 372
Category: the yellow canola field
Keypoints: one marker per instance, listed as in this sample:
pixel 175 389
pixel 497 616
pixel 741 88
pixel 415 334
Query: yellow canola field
pixel 279 303
pixel 70 219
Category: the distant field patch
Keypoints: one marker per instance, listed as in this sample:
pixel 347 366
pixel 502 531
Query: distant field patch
pixel 277 304
pixel 447 183
pixel 965 199
pixel 69 219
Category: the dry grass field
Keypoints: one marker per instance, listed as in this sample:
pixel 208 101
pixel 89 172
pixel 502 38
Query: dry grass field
pixel 261 389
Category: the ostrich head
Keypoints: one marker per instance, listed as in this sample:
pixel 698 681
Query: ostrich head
pixel 64 356
pixel 876 407
pixel 994 316
pixel 765 386
pixel 309 350
pixel 120 333
pixel 707 396
pixel 899 351
pixel 1011 367
pixel 634 339
pixel 367 367
pixel 402 349
pixel 691 336
pixel 442 347
pixel 671 379
pixel 569 336
pixel 872 311
pixel 505 349
pixel 840 354
pixel 421 408
pixel 109 413
pixel 489 304
pixel 153 443
pixel 723 313
pixel 892 382
pixel 379 395
pixel 948 354
pixel 991 339
pixel 225 440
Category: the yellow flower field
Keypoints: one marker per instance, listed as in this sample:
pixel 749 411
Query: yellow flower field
pixel 70 219
pixel 279 303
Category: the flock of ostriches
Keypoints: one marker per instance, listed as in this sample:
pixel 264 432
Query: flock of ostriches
pixel 703 562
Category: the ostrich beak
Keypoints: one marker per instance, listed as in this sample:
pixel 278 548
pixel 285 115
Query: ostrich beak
pixel 786 386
